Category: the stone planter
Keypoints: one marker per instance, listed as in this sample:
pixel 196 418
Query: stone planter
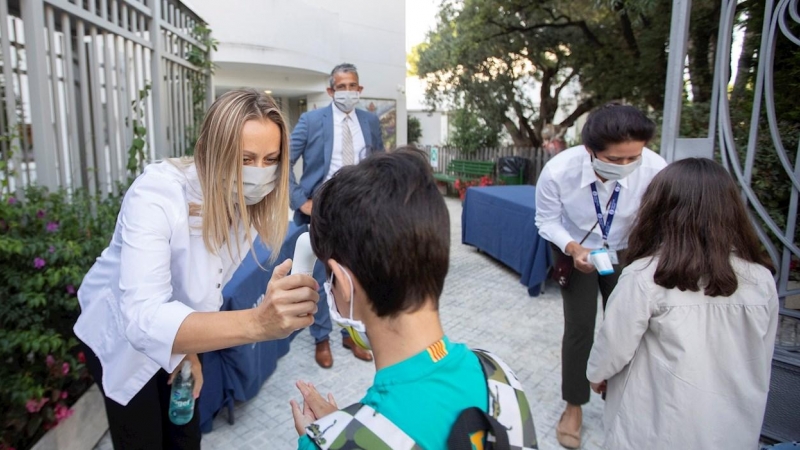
pixel 83 429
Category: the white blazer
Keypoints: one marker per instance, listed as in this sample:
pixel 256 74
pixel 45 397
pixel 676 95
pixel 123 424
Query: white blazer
pixel 154 273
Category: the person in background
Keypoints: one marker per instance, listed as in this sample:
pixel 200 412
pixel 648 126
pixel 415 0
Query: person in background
pixel 553 141
pixel 384 289
pixel 586 199
pixel 328 139
pixel 685 350
pixel 152 298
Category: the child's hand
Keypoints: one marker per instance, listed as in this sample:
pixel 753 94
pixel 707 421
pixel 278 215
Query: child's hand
pixel 598 387
pixel 319 406
pixel 302 418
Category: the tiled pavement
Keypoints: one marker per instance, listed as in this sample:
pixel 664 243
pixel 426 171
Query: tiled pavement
pixel 483 305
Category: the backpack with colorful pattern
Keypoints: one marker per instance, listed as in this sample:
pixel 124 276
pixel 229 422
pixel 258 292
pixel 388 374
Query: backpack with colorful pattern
pixel 509 422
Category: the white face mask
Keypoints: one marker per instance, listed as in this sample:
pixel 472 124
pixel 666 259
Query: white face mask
pixel 355 328
pixel 257 183
pixel 346 100
pixel 614 171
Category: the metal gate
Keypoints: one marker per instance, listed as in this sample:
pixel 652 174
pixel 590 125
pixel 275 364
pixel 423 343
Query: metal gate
pixel 780 17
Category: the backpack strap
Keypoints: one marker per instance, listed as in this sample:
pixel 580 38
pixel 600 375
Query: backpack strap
pixel 469 431
pixel 508 404
pixel 358 426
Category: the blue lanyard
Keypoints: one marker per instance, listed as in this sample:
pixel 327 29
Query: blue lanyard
pixel 605 225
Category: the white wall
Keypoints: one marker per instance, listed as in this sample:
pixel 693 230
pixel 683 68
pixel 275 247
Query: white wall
pixel 434 126
pixel 290 47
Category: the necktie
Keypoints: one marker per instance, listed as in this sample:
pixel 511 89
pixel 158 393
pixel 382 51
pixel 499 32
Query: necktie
pixel 348 156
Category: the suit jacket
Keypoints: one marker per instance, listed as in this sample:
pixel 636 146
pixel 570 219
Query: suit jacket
pixel 312 138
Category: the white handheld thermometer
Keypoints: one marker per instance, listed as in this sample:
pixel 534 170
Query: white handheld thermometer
pixel 304 258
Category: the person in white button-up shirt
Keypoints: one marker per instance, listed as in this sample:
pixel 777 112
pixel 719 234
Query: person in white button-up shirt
pixel 614 167
pixel 152 298
pixel 687 341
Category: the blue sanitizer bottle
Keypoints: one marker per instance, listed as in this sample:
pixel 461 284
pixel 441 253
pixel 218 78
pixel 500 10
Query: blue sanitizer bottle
pixel 181 400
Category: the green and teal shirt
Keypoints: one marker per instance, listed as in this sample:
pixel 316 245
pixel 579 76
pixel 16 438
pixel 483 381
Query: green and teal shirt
pixel 424 394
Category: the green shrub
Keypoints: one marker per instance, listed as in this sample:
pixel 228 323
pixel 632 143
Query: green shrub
pixel 48 242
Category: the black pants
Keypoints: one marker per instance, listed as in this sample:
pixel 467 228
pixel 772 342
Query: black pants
pixel 144 422
pixel 580 314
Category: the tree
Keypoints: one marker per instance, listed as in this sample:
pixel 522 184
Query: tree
pixel 487 56
pixel 470 133
pixel 414 130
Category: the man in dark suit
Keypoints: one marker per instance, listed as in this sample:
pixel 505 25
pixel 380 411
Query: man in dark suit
pixel 327 139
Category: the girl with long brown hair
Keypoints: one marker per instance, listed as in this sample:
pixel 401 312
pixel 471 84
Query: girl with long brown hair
pixel 152 298
pixel 688 336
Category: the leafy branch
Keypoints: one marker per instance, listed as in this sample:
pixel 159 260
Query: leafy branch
pixel 136 153
pixel 202 60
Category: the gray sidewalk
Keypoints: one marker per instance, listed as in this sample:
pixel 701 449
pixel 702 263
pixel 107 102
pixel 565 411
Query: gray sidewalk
pixel 483 305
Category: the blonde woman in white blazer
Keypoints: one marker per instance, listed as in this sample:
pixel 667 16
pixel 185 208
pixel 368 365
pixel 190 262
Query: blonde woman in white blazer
pixel 687 341
pixel 152 298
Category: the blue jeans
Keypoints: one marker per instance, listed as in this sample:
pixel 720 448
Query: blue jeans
pixel 322 326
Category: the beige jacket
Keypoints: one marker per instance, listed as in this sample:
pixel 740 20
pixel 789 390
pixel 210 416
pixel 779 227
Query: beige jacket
pixel 686 371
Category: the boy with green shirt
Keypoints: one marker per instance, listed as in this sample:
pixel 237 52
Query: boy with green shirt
pixel 382 230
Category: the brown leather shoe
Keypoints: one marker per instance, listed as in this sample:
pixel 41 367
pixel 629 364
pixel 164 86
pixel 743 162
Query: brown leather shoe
pixel 323 354
pixel 358 352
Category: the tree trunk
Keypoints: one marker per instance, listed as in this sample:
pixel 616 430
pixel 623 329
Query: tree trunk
pixel 519 138
pixel 703 38
pixel 747 61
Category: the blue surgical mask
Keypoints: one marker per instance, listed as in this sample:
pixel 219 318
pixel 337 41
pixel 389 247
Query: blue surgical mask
pixel 355 328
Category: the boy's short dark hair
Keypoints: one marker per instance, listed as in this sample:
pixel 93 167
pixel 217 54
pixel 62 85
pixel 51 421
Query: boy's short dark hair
pixel 385 220
pixel 615 123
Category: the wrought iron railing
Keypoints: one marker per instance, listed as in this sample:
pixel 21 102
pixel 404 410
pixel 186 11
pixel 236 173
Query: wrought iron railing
pixel 726 140
pixel 778 238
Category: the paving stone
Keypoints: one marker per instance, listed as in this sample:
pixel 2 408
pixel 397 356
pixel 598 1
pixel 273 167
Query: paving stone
pixel 483 305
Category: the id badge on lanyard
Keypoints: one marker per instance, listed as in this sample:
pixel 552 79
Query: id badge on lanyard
pixel 605 224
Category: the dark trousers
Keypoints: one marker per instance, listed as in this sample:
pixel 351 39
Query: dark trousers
pixel 580 314
pixel 144 422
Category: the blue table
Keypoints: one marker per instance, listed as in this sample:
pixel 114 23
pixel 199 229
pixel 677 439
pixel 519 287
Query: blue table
pixel 236 374
pixel 500 221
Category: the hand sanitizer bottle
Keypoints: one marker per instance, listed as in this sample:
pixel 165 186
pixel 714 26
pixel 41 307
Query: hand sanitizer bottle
pixel 181 400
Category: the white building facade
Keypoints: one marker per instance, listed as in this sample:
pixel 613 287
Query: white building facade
pixel 288 48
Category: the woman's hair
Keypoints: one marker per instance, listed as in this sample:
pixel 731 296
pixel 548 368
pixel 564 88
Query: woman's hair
pixel 615 123
pixel 219 159
pixel 692 217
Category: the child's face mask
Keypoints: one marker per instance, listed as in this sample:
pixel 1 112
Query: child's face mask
pixel 355 328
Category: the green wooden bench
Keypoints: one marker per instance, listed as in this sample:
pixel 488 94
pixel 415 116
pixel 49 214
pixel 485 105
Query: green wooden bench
pixel 465 170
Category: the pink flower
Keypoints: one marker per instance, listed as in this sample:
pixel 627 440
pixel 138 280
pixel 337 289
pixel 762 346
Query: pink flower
pixel 34 406
pixel 38 263
pixel 65 368
pixel 52 227
pixel 81 358
pixel 62 412
pixel 70 289
pixel 50 360
pixel 64 395
pixel 52 249
pixel 40 214
pixel 12 200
